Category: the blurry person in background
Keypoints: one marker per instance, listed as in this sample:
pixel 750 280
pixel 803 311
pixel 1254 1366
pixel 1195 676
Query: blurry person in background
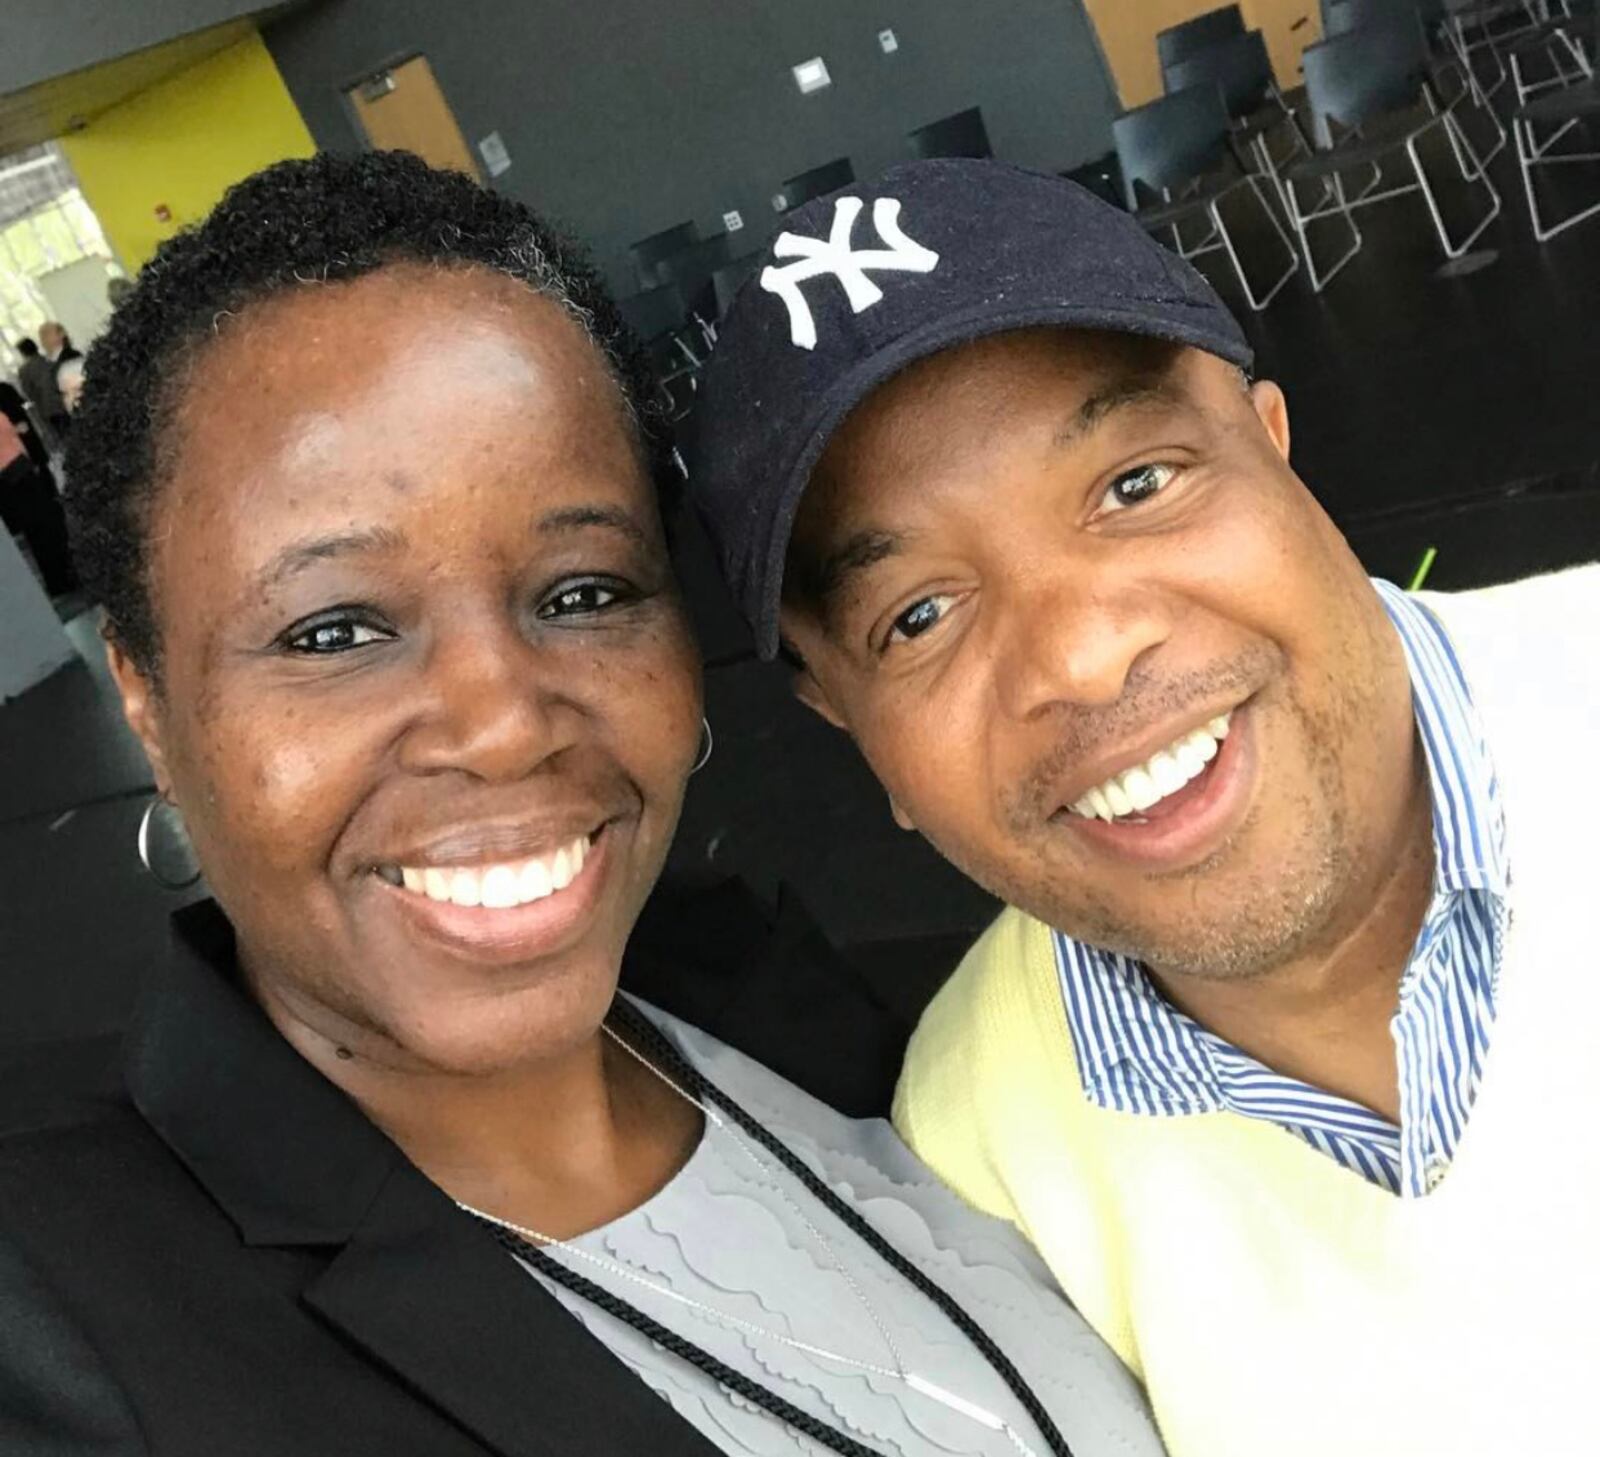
pixel 37 378
pixel 69 380
pixel 59 351
pixel 57 344
pixel 30 508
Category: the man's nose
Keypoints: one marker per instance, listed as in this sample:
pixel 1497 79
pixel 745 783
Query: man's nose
pixel 1072 635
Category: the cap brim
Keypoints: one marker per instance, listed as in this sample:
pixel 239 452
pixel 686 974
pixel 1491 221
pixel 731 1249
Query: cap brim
pixel 980 322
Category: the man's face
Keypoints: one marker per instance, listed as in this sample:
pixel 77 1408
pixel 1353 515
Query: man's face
pixel 50 338
pixel 1102 647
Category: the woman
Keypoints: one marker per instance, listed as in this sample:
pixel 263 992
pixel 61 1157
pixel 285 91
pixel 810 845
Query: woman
pixel 398 1171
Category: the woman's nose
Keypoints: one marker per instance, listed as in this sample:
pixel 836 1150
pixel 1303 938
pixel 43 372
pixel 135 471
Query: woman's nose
pixel 491 712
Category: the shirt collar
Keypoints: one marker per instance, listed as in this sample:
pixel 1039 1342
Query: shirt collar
pixel 1136 1050
pixel 1468 822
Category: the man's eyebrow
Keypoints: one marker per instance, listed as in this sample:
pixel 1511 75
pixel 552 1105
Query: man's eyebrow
pixel 858 553
pixel 299 555
pixel 1125 393
pixel 579 518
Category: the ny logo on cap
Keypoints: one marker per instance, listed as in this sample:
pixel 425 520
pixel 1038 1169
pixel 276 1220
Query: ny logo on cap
pixel 816 256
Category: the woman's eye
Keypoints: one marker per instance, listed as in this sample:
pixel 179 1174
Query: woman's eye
pixel 578 598
pixel 336 635
pixel 1134 486
pixel 918 618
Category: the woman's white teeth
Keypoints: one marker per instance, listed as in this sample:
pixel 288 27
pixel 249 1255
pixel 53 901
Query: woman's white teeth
pixel 1165 772
pixel 498 887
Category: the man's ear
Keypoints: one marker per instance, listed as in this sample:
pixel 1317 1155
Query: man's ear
pixel 1273 411
pixel 141 707
pixel 815 697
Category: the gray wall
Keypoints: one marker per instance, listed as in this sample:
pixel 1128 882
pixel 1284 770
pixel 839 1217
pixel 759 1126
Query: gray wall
pixel 623 117
pixel 33 644
pixel 56 36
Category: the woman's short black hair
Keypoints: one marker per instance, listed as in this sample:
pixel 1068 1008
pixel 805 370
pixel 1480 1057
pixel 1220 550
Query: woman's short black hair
pixel 322 219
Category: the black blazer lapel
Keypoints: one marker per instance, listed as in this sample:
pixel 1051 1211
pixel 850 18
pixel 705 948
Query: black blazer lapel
pixel 415 1282
pixel 431 1294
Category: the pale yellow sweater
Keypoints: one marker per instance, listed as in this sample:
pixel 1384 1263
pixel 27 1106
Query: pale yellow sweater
pixel 1274 1303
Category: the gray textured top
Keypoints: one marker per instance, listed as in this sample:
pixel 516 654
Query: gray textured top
pixel 731 1236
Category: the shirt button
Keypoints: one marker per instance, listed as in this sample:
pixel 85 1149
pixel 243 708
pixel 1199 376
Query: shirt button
pixel 1433 1172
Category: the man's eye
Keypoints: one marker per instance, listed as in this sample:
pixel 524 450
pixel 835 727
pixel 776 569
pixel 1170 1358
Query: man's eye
pixel 918 618
pixel 577 598
pixel 1134 486
pixel 335 635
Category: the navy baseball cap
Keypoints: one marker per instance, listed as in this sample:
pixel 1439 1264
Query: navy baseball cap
pixel 862 283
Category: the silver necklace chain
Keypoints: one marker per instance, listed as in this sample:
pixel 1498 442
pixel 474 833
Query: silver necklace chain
pixel 898 1372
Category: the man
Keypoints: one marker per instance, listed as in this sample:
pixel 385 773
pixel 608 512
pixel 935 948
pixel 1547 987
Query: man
pixel 1281 1052
pixel 57 344
pixel 36 376
pixel 59 351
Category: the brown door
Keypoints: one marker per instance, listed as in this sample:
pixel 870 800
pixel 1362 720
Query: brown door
pixel 403 109
pixel 1127 30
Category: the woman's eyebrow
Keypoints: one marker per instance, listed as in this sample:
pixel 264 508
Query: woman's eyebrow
pixel 299 555
pixel 578 518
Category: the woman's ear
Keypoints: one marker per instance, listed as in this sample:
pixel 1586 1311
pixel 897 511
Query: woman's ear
pixel 1273 411
pixel 141 707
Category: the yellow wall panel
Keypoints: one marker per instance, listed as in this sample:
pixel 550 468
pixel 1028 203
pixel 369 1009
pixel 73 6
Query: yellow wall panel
pixel 182 143
pixel 1128 34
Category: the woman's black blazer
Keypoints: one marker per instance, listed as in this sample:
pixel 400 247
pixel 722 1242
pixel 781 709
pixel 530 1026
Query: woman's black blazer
pixel 227 1259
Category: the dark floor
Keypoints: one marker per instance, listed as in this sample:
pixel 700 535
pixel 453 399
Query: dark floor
pixel 1458 413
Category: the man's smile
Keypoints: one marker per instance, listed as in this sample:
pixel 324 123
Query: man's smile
pixel 1182 802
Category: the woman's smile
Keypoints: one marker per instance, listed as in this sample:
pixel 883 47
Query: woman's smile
pixel 503 912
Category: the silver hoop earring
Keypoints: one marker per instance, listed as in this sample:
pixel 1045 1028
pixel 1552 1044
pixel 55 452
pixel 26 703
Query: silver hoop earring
pixel 710 744
pixel 146 821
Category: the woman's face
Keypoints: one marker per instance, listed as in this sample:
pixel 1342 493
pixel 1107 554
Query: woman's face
pixel 429 699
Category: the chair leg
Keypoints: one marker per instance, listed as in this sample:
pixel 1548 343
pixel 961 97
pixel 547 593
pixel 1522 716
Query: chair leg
pixel 1537 151
pixel 1529 154
pixel 1302 231
pixel 1451 250
pixel 1233 253
pixel 1480 92
pixel 1475 170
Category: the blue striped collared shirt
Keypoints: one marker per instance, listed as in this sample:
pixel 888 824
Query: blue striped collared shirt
pixel 1137 1053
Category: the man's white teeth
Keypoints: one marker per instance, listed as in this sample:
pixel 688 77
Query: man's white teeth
pixel 1165 772
pixel 499 887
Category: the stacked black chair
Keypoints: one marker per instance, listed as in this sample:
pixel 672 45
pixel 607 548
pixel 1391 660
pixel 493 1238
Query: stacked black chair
pixel 1556 54
pixel 1476 26
pixel 1179 41
pixel 1240 66
pixel 661 320
pixel 1451 77
pixel 1371 99
pixel 680 257
pixel 818 182
pixel 1181 145
pixel 960 135
pixel 650 254
pixel 727 280
pixel 1557 113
